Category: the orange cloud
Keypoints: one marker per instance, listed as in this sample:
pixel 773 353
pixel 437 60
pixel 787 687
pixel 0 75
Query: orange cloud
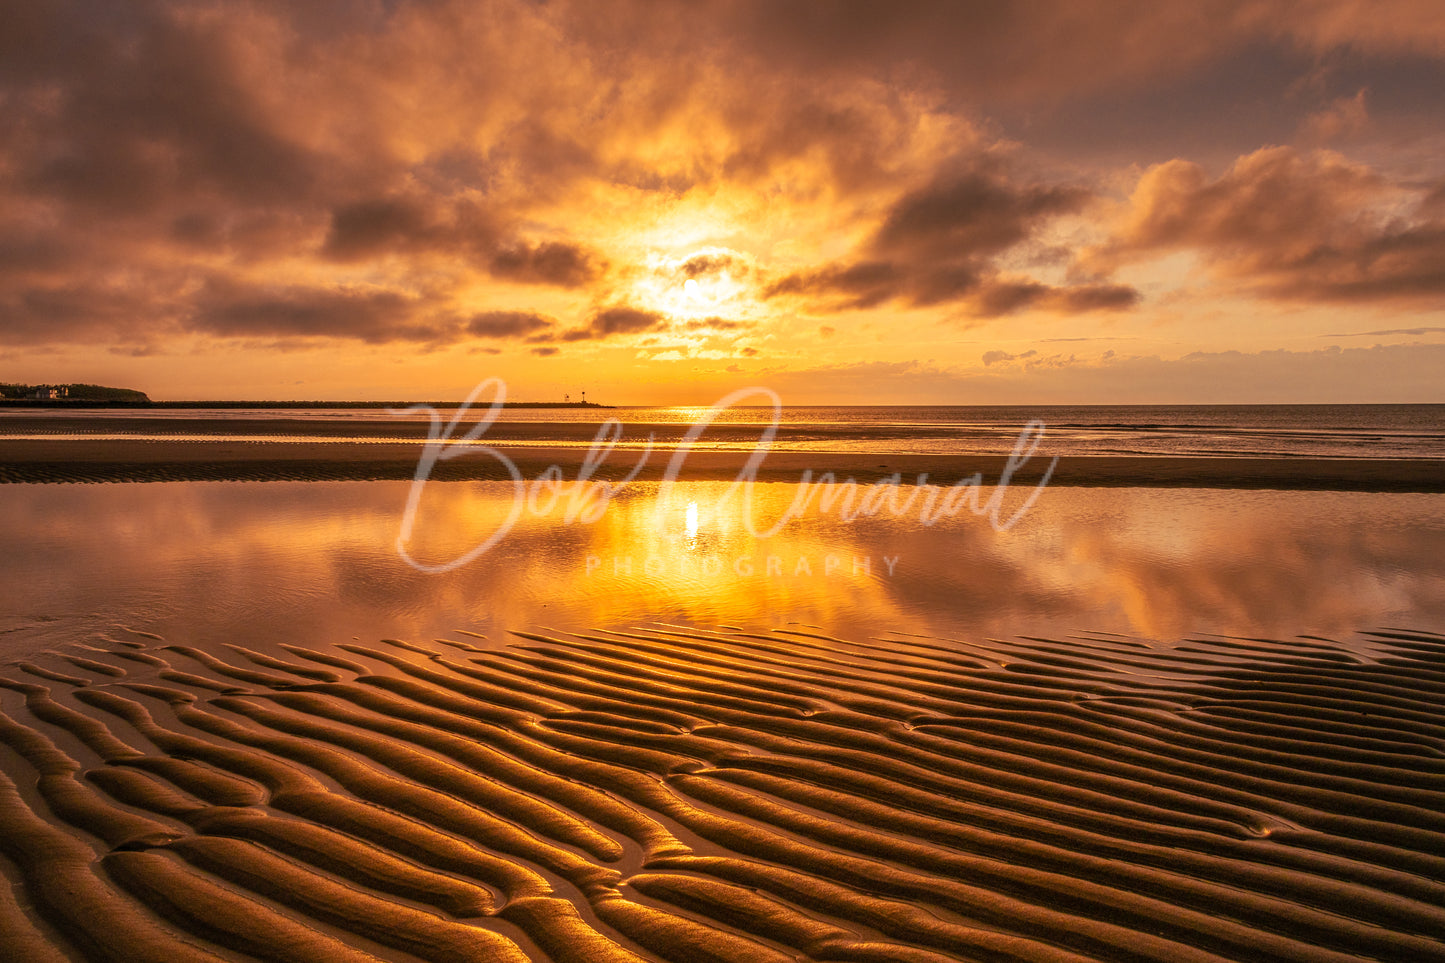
pixel 1311 227
pixel 940 244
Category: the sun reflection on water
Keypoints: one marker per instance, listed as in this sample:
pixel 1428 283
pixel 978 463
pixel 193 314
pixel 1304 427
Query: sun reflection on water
pixel 691 524
pixel 194 561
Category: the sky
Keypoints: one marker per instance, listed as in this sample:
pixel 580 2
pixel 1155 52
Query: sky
pixel 1225 201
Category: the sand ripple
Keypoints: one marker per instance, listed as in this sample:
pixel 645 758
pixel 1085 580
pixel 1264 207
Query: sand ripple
pixel 677 794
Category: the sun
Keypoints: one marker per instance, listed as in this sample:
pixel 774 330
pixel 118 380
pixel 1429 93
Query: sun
pixel 672 286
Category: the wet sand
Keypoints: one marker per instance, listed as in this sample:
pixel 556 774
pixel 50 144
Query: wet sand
pixel 678 794
pixel 130 460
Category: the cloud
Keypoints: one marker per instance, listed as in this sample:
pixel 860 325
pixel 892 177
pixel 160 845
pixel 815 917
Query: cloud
pixel 861 285
pixel 377 227
pixel 101 310
pixel 1041 52
pixel 711 265
pixel 373 316
pixel 999 297
pixel 1386 333
pixel 1343 117
pixel 623 320
pixel 1433 206
pixel 616 320
pixel 940 245
pixel 1032 360
pixel 871 284
pixel 557 263
pixel 1380 374
pixel 369 172
pixel 150 140
pixel 970 215
pixel 712 324
pixel 1302 227
pixel 508 324
pixel 999 357
pixel 27 251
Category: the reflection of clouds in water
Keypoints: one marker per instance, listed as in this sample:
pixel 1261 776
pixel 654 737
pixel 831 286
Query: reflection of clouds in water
pixel 314 562
pixel 641 560
pixel 1278 563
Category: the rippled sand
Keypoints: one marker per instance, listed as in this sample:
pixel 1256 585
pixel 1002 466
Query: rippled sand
pixel 669 793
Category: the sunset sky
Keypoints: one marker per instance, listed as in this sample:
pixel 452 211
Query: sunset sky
pixel 660 203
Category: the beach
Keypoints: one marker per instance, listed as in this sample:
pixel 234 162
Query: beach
pixel 666 793
pixel 724 482
pixel 234 725
pixel 46 460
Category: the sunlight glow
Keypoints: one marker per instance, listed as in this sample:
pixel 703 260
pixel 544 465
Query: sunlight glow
pixel 722 291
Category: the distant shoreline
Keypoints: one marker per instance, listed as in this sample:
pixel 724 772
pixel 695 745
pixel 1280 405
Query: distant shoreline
pixel 68 403
pixel 63 404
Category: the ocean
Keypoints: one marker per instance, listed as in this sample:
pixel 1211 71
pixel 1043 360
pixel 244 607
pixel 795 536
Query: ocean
pixel 1269 431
